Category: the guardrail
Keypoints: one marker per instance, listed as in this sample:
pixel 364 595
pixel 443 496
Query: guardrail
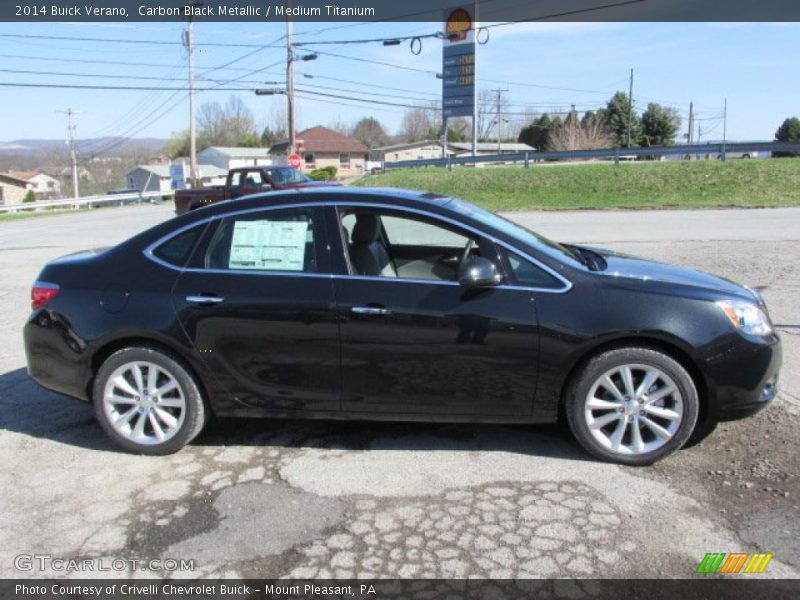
pixel 85 201
pixel 616 154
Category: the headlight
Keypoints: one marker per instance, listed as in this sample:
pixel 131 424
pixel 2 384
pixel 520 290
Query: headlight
pixel 746 317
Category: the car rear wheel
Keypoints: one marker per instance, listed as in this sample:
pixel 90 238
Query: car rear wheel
pixel 632 406
pixel 147 401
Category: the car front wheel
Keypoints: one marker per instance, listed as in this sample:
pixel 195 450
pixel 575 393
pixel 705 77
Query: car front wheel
pixel 147 401
pixel 632 406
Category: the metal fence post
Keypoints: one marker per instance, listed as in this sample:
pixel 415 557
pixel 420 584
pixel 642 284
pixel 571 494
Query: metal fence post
pixel 527 161
pixel 616 156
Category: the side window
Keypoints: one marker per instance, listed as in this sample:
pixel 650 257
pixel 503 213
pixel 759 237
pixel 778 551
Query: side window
pixel 266 241
pixel 236 179
pixel 397 245
pixel 402 231
pixel 253 180
pixel 528 274
pixel 177 250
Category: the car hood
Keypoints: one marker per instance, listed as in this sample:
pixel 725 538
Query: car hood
pixel 625 266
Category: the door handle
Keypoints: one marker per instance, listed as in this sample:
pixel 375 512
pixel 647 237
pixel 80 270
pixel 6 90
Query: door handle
pixel 204 299
pixel 370 310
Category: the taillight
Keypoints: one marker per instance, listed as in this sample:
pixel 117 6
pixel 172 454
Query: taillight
pixel 41 293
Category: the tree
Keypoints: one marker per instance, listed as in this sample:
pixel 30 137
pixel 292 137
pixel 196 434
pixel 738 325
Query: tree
pixel 616 115
pixel 231 124
pixel 659 125
pixel 177 144
pixel 789 131
pixel 370 132
pixel 270 137
pixel 536 133
pixel 416 125
pixel 579 134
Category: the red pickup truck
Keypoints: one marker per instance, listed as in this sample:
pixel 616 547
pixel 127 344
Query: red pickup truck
pixel 244 181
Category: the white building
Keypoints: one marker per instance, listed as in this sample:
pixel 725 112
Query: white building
pixel 487 148
pixel 157 178
pixel 231 158
pixel 44 186
pixel 410 151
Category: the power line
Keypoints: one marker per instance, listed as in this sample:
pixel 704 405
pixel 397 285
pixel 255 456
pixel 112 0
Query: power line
pixel 118 87
pixel 114 62
pixel 127 41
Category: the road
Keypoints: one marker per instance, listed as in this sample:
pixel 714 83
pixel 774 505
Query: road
pixel 319 499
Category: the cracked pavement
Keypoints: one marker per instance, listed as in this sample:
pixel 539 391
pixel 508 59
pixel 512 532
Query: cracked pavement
pixel 346 499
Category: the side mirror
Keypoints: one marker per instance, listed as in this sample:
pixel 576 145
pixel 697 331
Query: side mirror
pixel 478 272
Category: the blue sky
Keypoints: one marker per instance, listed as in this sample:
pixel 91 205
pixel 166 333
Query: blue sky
pixel 543 66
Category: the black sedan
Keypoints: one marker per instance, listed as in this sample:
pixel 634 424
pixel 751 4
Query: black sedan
pixel 387 304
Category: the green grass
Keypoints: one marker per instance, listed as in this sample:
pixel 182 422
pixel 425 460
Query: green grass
pixel 657 184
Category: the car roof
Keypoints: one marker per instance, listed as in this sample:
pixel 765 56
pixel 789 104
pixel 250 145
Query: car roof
pixel 321 195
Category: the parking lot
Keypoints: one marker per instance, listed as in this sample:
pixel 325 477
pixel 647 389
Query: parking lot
pixel 334 499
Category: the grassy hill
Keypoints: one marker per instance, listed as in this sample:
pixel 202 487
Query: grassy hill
pixel 657 184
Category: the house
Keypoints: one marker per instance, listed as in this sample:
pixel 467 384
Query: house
pixel 157 178
pixel 13 189
pixel 83 174
pixel 231 158
pixel 410 151
pixel 322 147
pixel 485 148
pixel 44 186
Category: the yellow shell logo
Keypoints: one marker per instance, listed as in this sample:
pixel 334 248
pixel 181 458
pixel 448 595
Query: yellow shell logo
pixel 458 25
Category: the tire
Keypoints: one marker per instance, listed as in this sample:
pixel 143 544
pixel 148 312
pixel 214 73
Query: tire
pixel 156 412
pixel 657 420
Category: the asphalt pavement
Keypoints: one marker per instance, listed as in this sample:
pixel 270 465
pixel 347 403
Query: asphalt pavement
pixel 320 499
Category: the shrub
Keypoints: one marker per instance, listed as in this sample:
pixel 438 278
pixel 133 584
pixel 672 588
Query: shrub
pixel 332 170
pixel 320 175
pixel 30 196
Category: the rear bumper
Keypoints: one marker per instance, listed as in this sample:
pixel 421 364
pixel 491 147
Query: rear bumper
pixel 57 359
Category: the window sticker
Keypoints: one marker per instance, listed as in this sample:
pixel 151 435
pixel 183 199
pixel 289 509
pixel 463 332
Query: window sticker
pixel 268 245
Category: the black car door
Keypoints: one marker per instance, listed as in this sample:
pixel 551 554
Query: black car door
pixel 257 303
pixel 414 341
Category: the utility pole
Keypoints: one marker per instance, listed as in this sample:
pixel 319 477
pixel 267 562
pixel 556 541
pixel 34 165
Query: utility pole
pixel 71 127
pixel 724 128
pixel 690 135
pixel 630 109
pixel 290 80
pixel 475 108
pixel 499 121
pixel 188 42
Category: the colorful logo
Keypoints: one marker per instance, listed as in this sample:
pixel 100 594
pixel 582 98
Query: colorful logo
pixel 458 25
pixel 734 563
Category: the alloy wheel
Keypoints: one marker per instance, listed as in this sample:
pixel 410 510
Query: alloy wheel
pixel 144 403
pixel 633 409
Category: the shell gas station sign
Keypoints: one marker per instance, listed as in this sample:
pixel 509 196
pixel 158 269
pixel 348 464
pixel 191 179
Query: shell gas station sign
pixel 458 63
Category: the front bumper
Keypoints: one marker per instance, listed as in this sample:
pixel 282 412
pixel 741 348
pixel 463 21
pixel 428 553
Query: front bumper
pixel 743 376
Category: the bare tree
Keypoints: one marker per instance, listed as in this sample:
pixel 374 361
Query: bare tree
pixel 228 125
pixel 416 124
pixel 340 126
pixel 575 134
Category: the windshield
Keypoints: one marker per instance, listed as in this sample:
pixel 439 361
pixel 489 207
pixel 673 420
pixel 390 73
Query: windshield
pixel 288 175
pixel 495 221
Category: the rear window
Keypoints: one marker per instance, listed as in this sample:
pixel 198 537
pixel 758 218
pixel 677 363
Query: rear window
pixel 177 250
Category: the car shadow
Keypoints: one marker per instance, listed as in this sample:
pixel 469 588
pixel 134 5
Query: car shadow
pixel 28 409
